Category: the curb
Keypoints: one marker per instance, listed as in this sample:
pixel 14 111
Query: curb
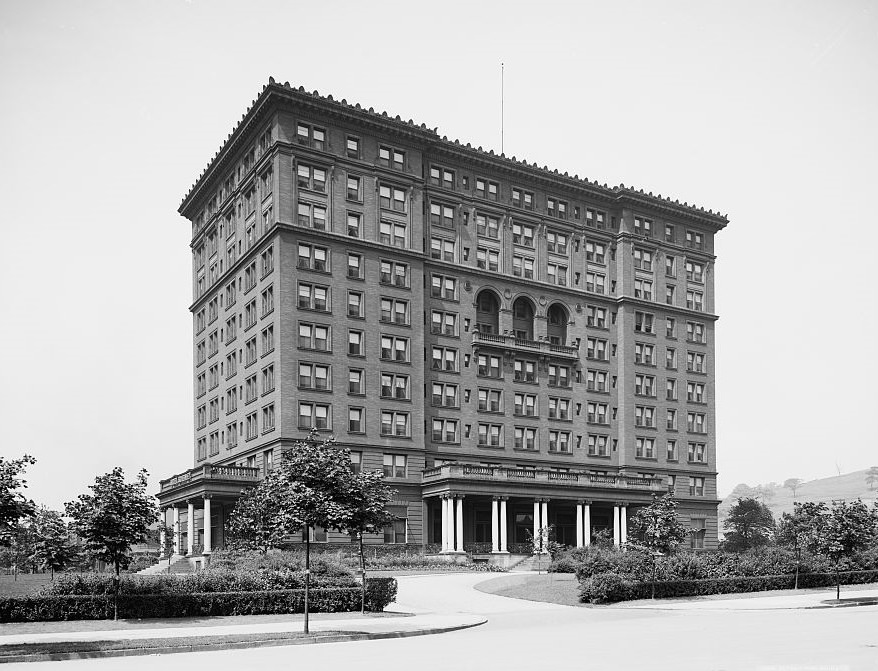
pixel 192 644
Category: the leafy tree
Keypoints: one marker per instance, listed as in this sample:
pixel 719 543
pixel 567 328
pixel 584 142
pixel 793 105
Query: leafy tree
pixel 112 518
pixel 793 484
pixel 367 513
pixel 797 528
pixel 765 493
pixel 52 548
pixel 847 528
pixel 872 477
pixel 748 525
pixel 258 521
pixel 13 505
pixel 657 526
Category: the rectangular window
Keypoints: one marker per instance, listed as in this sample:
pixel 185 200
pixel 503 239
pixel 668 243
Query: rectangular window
pixel 314 336
pixel 694 240
pixel 355 188
pixel 393 233
pixel 523 266
pixel 643 227
pixel 395 348
pixel 267 261
pixel 670 266
pixel 671 358
pixel 595 252
pixel 487 225
pixel 559 408
pixel 595 283
pixel 311 136
pixel 490 435
pixel 392 198
pixel 487 258
pixel 488 366
pixel 315 415
pixel 356 420
pixel 390 157
pixel 559 441
pixel 525 438
pixel 355 304
pixel 671 389
pixel 696 422
pixel 672 420
pixel 441 215
pixel 643 322
pixel 445 395
pixel 267 301
pixel 356 343
pixel 642 259
pixel 232 435
pixel 643 289
pixel 644 448
pixel 313 257
pixel 314 297
pixel 596 380
pixel 443 323
pixel 315 376
pixel 695 392
pixel 355 266
pixel 523 199
pixel 522 235
pixel 395 466
pixel 643 354
pixel 252 426
pixel 268 418
pixel 556 242
pixel 352 147
pixel 595 317
pixel 526 405
pixel 311 178
pixel 445 431
pixel 395 424
pixel 671 450
pixel 490 400
pixel 644 415
pixel 695 300
pixel 597 413
pixel 395 532
pixel 251 390
pixel 250 351
pixel 525 371
pixel 695 362
pixel 597 445
pixel 644 385
pixel 487 189
pixel 394 273
pixel 441 177
pixel 356 381
pixel 356 462
pixel 559 376
pixel 694 271
pixel 394 386
pixel 669 233
pixel 443 286
pixel 442 249
pixel 696 486
pixel 556 274
pixel 444 358
pixel 394 311
pixel 355 225
pixel 695 332
pixel 267 339
pixel 596 348
pixel 697 452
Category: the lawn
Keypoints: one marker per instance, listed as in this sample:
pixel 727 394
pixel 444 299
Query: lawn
pixel 560 588
pixel 22 584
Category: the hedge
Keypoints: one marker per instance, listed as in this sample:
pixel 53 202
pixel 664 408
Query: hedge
pixel 611 587
pixel 40 608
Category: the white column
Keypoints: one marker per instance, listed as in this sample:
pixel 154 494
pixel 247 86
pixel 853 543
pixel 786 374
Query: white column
pixel 503 547
pixel 586 524
pixel 536 522
pixel 579 529
pixel 459 524
pixel 208 540
pixel 444 507
pixel 190 528
pixel 495 526
pixel 162 538
pixel 176 524
pixel 616 529
pixel 544 522
pixel 623 514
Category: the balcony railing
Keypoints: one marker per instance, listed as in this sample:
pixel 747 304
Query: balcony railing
pixel 534 346
pixel 242 474
pixel 562 478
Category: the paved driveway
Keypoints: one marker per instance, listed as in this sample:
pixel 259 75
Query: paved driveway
pixel 536 636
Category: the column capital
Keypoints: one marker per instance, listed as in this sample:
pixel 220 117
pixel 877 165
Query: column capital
pixel 496 498
pixel 460 496
pixel 207 496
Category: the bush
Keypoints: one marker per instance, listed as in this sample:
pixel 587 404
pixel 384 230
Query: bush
pixel 605 588
pixel 379 593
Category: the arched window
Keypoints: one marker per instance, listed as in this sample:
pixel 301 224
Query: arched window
pixel 523 319
pixel 557 324
pixel 487 312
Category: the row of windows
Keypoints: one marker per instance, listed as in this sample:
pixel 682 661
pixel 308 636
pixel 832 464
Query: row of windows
pixel 229 437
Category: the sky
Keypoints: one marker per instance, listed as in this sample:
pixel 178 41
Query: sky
pixel 765 111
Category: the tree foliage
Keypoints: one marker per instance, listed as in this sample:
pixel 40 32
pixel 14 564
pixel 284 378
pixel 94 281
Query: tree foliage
pixel 52 548
pixel 116 515
pixel 749 524
pixel 872 477
pixel 14 506
pixel 797 529
pixel 657 526
pixel 793 484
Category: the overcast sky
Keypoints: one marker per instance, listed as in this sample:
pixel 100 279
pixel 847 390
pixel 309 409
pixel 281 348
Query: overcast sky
pixel 763 110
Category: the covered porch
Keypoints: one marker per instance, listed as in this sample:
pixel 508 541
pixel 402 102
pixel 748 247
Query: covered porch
pixel 196 504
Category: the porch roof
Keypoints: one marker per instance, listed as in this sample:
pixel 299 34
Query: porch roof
pixel 221 482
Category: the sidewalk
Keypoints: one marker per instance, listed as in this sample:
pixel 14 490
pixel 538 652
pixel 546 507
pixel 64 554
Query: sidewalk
pixel 818 597
pixel 85 639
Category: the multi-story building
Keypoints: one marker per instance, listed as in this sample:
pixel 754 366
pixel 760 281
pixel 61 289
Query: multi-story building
pixel 513 346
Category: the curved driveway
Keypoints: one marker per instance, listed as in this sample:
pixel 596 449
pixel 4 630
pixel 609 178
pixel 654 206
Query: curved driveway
pixel 536 636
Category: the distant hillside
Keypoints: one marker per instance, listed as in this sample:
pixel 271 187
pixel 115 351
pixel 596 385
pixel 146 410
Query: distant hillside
pixel 849 486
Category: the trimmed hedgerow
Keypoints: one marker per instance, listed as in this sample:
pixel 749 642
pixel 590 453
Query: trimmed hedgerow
pixel 611 587
pixel 379 593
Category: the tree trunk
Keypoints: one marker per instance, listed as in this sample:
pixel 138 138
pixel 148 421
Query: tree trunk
pixel 116 580
pixel 362 576
pixel 307 572
pixel 837 584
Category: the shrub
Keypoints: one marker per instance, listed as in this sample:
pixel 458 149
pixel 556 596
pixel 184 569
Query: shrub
pixel 379 593
pixel 605 588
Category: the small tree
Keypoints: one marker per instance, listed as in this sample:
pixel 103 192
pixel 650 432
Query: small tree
pixel 112 518
pixel 872 477
pixel 368 497
pixel 748 525
pixel 259 521
pixel 795 529
pixel 847 528
pixel 793 484
pixel 13 505
pixel 52 549
pixel 657 525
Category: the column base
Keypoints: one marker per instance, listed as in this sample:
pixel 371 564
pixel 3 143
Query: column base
pixel 500 552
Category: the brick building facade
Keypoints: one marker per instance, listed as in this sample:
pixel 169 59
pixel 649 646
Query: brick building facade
pixel 514 347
